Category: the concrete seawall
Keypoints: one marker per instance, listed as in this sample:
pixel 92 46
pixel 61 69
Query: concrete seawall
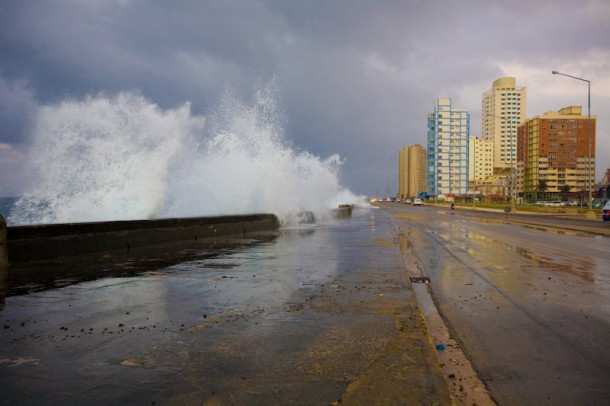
pixel 27 243
pixel 3 252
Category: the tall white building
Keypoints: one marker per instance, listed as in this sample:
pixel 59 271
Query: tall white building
pixel 447 153
pixel 504 109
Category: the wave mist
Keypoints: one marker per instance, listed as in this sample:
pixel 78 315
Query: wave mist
pixel 123 158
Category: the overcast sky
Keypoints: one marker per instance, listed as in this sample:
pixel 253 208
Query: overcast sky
pixel 356 78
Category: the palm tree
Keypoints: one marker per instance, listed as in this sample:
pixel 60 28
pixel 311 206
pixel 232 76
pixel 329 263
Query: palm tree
pixel 564 190
pixel 542 186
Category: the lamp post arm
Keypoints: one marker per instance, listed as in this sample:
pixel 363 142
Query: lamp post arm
pixel 587 180
pixel 588 135
pixel 570 76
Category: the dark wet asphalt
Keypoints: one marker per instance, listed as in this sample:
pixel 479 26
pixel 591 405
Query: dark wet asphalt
pixel 530 304
pixel 310 316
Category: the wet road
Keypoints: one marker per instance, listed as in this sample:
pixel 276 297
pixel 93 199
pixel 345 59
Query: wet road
pixel 530 307
pixel 310 316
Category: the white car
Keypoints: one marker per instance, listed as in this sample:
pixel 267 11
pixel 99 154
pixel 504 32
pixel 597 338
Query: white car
pixel 418 202
pixel 408 201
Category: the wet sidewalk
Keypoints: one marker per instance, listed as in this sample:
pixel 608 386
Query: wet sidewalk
pixel 576 222
pixel 314 316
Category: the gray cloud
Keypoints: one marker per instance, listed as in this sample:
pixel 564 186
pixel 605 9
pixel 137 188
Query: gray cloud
pixel 356 77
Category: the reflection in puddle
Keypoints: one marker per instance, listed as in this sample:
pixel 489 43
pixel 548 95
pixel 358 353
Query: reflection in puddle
pixel 404 243
pixel 580 267
pixel 553 229
pixel 218 265
pixel 383 242
pixel 559 231
pixel 583 271
pixel 474 236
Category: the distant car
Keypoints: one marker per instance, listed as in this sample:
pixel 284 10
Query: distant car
pixel 606 211
pixel 408 201
pixel 418 202
pixel 548 203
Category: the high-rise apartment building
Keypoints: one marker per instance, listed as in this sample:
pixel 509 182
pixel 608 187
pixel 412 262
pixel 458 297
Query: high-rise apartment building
pixel 411 171
pixel 447 150
pixel 503 110
pixel 555 147
pixel 480 159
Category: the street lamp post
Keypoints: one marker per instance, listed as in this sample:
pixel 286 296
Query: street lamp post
pixel 513 185
pixel 588 180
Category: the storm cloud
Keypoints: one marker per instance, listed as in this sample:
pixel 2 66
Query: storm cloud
pixel 356 78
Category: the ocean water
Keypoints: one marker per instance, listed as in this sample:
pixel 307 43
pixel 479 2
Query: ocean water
pixel 123 158
pixel 6 204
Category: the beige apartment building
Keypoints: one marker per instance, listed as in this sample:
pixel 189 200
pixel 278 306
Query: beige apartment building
pixel 480 162
pixel 558 148
pixel 503 110
pixel 411 171
pixel 480 166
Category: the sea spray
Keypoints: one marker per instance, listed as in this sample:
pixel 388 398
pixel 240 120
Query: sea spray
pixel 102 159
pixel 123 158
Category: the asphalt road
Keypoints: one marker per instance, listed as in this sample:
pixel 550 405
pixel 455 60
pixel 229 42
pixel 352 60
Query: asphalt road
pixel 528 300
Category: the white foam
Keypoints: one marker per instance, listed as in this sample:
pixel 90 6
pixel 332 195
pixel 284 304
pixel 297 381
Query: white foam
pixel 123 158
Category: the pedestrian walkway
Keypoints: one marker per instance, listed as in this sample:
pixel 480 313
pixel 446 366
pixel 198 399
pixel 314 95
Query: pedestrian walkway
pixel 319 315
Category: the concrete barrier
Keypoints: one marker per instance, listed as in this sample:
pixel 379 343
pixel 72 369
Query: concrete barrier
pixel 3 249
pixel 343 211
pixel 26 243
pixel 3 262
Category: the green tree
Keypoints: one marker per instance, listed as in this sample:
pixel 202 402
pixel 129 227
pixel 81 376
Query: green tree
pixel 564 190
pixel 542 186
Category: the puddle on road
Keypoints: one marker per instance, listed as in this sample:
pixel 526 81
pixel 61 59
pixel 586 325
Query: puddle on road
pixel 550 228
pixel 18 361
pixel 557 230
pixel 218 265
pixel 404 244
pixel 406 216
pixel 583 270
pixel 382 242
pixel 581 267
